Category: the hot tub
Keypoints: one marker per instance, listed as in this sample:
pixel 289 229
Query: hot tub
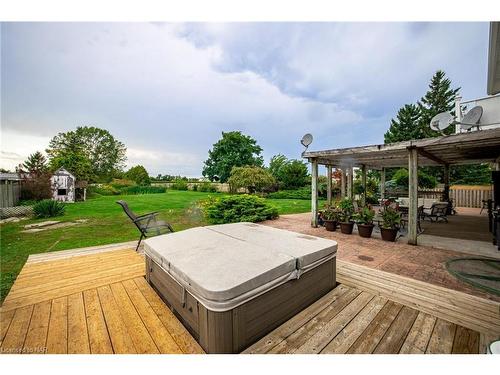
pixel 232 284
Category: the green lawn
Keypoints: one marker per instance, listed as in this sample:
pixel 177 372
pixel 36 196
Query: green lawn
pixel 106 224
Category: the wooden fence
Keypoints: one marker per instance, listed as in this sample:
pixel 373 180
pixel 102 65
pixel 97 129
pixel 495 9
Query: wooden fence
pixel 462 195
pixel 10 192
pixel 470 196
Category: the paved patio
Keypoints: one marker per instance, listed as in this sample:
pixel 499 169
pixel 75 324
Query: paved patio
pixel 422 263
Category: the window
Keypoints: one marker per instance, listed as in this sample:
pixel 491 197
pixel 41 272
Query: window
pixel 62 191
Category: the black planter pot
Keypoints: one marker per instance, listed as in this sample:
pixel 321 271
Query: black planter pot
pixel 346 228
pixel 365 230
pixel 330 225
pixel 388 234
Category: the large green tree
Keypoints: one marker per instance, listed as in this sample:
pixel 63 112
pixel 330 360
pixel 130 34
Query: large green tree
pixel 440 97
pixel 66 150
pixel 290 173
pixel 36 164
pixel 405 125
pixel 234 149
pixel 105 154
pixel 412 120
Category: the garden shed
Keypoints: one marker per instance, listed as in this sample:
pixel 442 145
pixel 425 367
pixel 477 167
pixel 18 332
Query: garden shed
pixel 63 185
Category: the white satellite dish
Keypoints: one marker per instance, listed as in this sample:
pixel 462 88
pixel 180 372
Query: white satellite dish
pixel 306 140
pixel 441 121
pixel 472 117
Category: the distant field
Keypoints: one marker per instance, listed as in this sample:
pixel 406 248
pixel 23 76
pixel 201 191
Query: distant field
pixel 106 224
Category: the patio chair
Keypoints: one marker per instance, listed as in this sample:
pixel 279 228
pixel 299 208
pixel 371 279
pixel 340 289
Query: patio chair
pixel 438 211
pixel 147 224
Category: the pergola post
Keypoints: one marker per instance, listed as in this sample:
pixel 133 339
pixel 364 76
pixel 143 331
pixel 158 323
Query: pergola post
pixel 342 182
pixel 349 182
pixel 329 184
pixel 363 184
pixel 314 193
pixel 382 184
pixel 446 180
pixel 413 194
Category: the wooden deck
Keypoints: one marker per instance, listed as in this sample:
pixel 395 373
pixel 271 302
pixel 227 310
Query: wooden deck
pixel 348 320
pixel 98 303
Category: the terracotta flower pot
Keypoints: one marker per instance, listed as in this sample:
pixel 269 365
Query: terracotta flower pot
pixel 346 228
pixel 330 225
pixel 365 230
pixel 388 234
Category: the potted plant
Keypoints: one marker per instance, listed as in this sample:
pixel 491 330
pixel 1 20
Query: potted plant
pixel 330 217
pixel 346 209
pixel 364 220
pixel 391 221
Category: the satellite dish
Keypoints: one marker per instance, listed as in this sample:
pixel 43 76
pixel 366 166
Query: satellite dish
pixel 472 117
pixel 441 121
pixel 306 140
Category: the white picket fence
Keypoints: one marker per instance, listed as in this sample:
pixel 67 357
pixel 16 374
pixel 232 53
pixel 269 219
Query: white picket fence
pixel 462 195
pixel 470 196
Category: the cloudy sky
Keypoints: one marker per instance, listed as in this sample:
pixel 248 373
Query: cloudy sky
pixel 168 90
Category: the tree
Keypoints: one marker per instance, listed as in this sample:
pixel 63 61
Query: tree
pixel 405 126
pixel 276 163
pixel 412 121
pixel 65 150
pixel 234 149
pixel 36 164
pixel 35 177
pixel 139 175
pixel 424 180
pixel 254 179
pixel 105 154
pixel 439 98
pixel 290 174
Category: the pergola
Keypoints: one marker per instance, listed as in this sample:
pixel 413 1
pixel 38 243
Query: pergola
pixel 456 149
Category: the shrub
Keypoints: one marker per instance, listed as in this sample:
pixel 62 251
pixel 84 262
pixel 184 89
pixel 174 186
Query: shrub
pixel 48 208
pixel 195 187
pixel 103 190
pixel 36 187
pixel 119 183
pixel 180 185
pixel 254 179
pixel 207 187
pixel 424 180
pixel 137 189
pixel 304 193
pixel 238 208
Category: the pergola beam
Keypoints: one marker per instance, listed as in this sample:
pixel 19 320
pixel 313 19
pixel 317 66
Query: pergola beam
pixel 456 149
pixel 430 156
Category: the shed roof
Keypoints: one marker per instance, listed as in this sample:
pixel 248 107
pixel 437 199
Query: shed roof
pixel 63 172
pixel 9 176
pixel 463 148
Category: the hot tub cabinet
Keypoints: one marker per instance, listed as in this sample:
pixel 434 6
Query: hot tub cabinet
pixel 232 284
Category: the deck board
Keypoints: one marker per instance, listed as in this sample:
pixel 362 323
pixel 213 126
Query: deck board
pixel 95 302
pixel 100 303
pixel 352 321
